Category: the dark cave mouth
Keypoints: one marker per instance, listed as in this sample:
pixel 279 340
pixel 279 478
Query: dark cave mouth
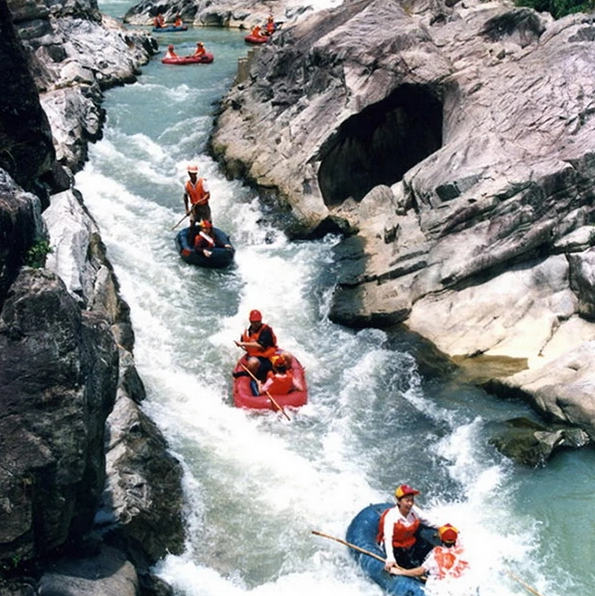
pixel 381 143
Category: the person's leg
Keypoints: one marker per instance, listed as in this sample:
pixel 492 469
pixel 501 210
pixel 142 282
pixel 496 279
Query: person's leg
pixel 404 557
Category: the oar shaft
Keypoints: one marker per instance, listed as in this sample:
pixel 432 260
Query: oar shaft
pixel 522 583
pixel 353 546
pixel 273 400
pixel 361 550
pixel 183 218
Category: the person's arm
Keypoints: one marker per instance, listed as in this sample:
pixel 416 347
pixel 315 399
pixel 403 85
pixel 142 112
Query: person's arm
pixel 205 188
pixel 415 572
pixel 267 384
pixel 424 519
pixel 387 532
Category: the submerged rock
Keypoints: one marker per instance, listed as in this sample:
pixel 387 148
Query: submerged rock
pixel 532 444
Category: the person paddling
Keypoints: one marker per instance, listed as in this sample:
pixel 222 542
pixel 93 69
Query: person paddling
pixel 270 26
pixel 196 198
pixel 398 528
pixel 200 50
pixel 260 343
pixel 159 21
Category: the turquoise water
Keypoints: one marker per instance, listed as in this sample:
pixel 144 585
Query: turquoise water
pixel 256 485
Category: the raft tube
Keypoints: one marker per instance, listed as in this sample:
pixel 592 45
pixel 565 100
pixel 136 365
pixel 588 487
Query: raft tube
pixel 220 257
pixel 244 398
pixel 170 29
pixel 204 59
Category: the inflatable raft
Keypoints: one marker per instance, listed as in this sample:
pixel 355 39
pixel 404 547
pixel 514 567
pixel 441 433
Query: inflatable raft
pixel 220 257
pixel 170 29
pixel 244 398
pixel 362 532
pixel 256 38
pixel 204 59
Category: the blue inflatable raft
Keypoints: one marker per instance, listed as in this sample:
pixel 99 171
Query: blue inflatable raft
pixel 362 532
pixel 170 29
pixel 220 257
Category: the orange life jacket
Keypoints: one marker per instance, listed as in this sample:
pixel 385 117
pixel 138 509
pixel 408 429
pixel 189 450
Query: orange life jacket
pixel 403 535
pixel 449 562
pixel 270 27
pixel 254 337
pixel 203 240
pixel 282 383
pixel 196 192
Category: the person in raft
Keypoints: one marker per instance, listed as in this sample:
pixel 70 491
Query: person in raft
pixel 397 531
pixel 280 380
pixel 208 238
pixel 159 21
pixel 200 49
pixel 269 28
pixel 256 31
pixel 196 200
pixel 259 343
pixel 170 52
pixel 445 563
pixel 178 21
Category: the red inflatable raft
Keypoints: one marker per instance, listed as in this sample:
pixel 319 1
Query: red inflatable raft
pixel 244 398
pixel 256 38
pixel 204 59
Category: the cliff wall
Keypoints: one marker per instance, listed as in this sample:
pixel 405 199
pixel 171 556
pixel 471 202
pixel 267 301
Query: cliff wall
pixel 73 438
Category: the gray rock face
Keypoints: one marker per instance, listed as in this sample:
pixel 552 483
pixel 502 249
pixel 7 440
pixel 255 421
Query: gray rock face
pixel 242 14
pixel 73 53
pixel 66 339
pixel 25 136
pixel 58 373
pixel 458 143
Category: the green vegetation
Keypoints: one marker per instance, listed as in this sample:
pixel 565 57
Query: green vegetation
pixel 558 8
pixel 37 253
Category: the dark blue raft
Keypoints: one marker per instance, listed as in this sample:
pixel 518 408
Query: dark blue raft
pixel 362 532
pixel 170 29
pixel 219 256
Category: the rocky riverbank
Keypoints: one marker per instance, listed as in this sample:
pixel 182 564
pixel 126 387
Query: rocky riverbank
pixel 90 496
pixel 455 150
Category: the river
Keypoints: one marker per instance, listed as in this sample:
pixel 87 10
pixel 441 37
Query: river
pixel 256 485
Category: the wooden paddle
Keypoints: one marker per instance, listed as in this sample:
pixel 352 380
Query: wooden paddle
pixel 522 583
pixel 353 546
pixel 273 400
pixel 422 578
pixel 176 225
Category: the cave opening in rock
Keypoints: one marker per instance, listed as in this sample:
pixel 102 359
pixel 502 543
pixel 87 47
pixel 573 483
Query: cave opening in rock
pixel 378 145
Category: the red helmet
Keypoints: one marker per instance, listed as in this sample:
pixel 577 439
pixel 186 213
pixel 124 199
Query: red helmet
pixel 255 316
pixel 448 534
pixel 404 490
pixel 205 223
pixel 278 360
pixel 170 47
